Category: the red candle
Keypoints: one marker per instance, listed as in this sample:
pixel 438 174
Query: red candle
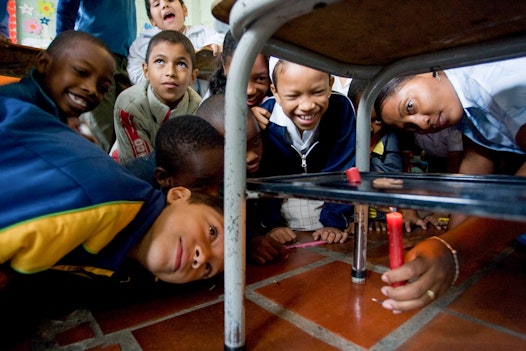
pixel 353 175
pixel 396 249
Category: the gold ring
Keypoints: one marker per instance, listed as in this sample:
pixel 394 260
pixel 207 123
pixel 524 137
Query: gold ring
pixel 431 294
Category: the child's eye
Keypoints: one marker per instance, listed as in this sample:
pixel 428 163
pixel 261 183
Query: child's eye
pixel 213 232
pixel 256 140
pixel 261 80
pixel 410 107
pixel 103 89
pixel 182 64
pixel 158 61
pixel 81 72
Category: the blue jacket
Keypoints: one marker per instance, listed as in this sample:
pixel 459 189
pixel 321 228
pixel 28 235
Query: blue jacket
pixel 28 89
pixel 65 203
pixel 333 150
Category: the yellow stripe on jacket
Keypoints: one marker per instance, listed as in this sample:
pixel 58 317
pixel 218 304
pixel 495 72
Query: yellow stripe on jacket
pixel 37 244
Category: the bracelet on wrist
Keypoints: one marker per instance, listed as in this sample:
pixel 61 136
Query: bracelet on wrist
pixel 455 257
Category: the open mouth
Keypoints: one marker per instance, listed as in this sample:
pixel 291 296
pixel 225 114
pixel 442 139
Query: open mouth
pixel 178 256
pixel 169 17
pixel 78 100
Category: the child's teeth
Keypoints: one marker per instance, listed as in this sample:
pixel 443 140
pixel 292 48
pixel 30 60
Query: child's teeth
pixel 78 100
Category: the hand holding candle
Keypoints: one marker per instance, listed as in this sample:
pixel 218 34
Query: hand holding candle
pixel 394 233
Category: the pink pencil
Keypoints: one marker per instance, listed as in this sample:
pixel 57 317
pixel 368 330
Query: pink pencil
pixel 302 245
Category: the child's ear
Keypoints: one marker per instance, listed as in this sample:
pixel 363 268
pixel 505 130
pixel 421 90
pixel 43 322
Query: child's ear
pixel 274 91
pixel 195 73
pixel 331 83
pixel 177 193
pixel 43 62
pixel 145 70
pixel 162 177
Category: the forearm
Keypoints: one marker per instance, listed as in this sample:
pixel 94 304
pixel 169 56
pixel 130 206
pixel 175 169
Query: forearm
pixel 476 236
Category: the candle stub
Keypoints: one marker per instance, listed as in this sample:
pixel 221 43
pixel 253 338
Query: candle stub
pixel 353 175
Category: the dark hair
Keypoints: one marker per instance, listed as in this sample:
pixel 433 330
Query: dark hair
pixel 180 137
pixel 64 40
pixel 173 37
pixel 387 91
pixel 356 89
pixel 280 66
pixel 203 198
pixel 217 80
pixel 149 13
pixel 212 110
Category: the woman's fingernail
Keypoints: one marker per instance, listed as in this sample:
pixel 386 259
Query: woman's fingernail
pixel 387 305
pixel 383 291
pixel 397 311
pixel 385 279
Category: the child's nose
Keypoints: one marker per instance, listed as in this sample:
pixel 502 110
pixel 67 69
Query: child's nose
pixel 307 105
pixel 200 257
pixel 90 86
pixel 252 156
pixel 251 89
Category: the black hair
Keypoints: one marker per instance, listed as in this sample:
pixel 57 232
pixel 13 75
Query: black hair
pixel 212 110
pixel 149 13
pixel 65 40
pixel 356 89
pixel 280 66
pixel 217 80
pixel 203 198
pixel 182 136
pixel 387 91
pixel 173 37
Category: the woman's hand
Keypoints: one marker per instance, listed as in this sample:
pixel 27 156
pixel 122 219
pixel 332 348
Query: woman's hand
pixel 430 270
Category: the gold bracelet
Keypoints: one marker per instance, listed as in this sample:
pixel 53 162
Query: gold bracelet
pixel 454 253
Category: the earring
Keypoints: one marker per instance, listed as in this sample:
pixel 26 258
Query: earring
pixel 435 75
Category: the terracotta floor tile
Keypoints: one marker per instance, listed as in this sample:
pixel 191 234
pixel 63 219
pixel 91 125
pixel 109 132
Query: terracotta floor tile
pixel 499 297
pixel 75 334
pixel 447 332
pixel 167 300
pixel 203 330
pixel 295 259
pixel 327 296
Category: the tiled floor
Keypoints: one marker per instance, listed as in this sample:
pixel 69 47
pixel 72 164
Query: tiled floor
pixel 305 302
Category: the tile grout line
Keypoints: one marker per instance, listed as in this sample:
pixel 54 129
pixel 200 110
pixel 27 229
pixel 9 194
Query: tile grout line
pixel 404 332
pixel 305 325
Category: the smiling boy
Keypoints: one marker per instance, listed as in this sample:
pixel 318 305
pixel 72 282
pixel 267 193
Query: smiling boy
pixel 310 130
pixel 82 212
pixel 141 109
pixel 69 78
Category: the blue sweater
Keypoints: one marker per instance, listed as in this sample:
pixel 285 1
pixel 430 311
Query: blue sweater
pixel 334 150
pixel 65 203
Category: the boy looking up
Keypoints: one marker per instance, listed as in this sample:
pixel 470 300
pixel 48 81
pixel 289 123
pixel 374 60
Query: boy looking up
pixel 141 109
pixel 169 15
pixel 310 130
